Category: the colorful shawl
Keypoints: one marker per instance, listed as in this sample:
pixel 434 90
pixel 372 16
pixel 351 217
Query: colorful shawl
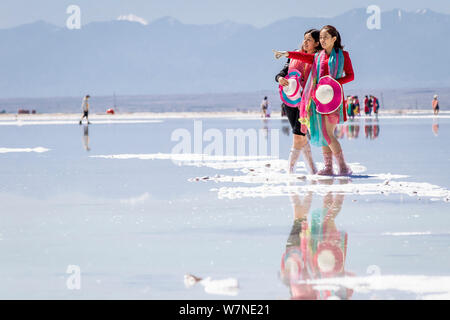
pixel 302 67
pixel 309 118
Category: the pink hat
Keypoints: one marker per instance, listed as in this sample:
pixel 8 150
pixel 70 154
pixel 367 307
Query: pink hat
pixel 291 94
pixel 328 95
pixel 329 259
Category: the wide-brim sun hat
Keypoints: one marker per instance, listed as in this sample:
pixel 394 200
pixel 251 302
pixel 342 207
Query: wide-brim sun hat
pixel 291 94
pixel 329 259
pixel 328 95
pixel 292 265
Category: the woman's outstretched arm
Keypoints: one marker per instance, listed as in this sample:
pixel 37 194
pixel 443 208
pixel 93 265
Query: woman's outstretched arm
pixel 302 56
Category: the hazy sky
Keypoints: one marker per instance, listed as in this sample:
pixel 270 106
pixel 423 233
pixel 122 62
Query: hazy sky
pixel 255 12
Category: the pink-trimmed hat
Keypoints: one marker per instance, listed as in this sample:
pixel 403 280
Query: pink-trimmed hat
pixel 291 94
pixel 328 95
pixel 329 259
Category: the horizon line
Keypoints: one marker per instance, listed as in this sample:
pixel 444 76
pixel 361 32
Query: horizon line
pixel 216 93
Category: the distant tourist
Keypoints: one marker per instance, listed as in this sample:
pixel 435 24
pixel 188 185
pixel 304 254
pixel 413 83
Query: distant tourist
pixel 357 107
pixel 350 109
pixel 85 108
pixel 366 106
pixel 264 107
pixel 375 105
pixel 370 104
pixel 435 104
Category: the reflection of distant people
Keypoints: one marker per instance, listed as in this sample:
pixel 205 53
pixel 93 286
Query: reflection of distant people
pixel 286 130
pixel 376 130
pixel 86 138
pixel 435 127
pixel 435 104
pixel 85 109
pixel 368 129
pixel 265 129
pixel 264 107
pixel 371 131
pixel 340 132
pixel 353 131
pixel 315 251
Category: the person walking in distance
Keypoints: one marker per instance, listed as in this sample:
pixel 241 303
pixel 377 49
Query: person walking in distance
pixel 375 105
pixel 435 104
pixel 85 108
pixel 264 107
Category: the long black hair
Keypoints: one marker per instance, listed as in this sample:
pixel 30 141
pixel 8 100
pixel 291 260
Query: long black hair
pixel 332 31
pixel 315 34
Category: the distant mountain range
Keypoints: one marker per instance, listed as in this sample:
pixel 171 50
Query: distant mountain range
pixel 165 56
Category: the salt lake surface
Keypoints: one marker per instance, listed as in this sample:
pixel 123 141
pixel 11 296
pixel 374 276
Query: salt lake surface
pixel 114 203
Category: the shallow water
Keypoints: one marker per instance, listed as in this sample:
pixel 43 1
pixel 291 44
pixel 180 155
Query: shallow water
pixel 135 227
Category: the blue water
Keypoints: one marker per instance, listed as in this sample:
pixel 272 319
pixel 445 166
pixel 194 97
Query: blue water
pixel 63 207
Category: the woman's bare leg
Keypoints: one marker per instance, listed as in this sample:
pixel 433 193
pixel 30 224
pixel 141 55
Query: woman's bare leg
pixel 335 147
pixel 298 143
pixel 329 150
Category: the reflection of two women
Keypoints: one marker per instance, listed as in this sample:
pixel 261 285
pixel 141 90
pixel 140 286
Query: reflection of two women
pixel 315 250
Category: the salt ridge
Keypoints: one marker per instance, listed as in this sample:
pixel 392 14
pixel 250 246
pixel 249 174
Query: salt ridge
pixel 406 233
pixel 59 122
pixel 270 174
pixel 425 286
pixel 37 150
